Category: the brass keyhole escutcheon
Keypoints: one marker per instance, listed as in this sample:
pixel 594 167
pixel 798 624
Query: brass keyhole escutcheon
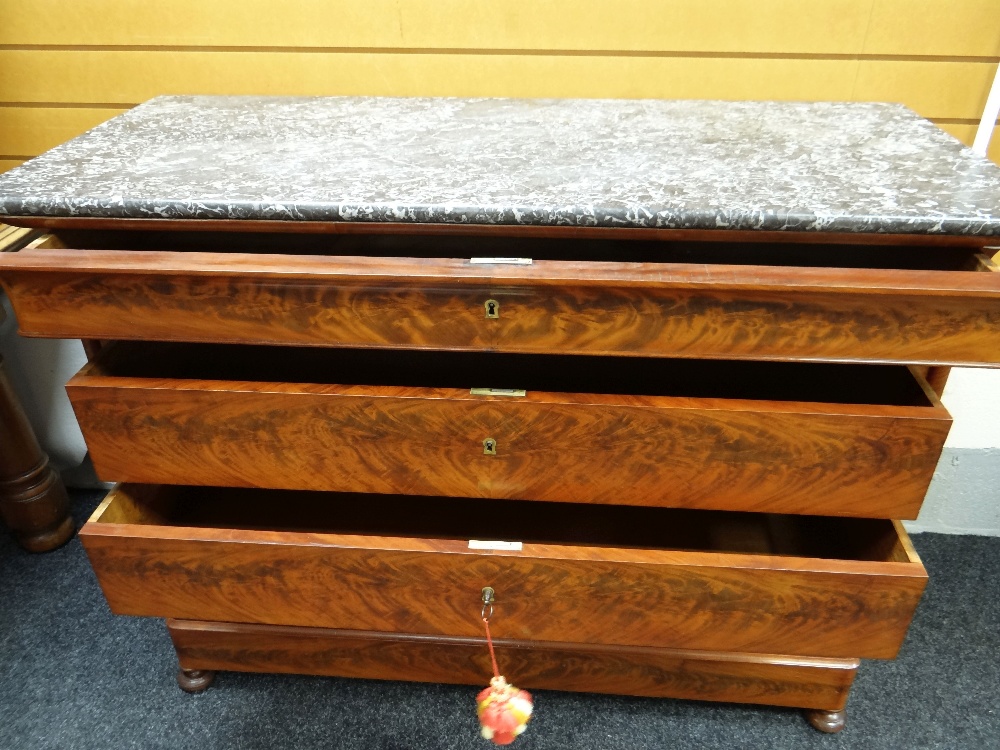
pixel 492 309
pixel 489 447
pixel 489 597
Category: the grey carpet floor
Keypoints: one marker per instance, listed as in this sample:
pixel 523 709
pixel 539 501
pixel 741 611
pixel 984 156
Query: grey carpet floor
pixel 74 676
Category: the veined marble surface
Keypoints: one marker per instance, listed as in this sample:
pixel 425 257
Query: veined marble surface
pixel 839 167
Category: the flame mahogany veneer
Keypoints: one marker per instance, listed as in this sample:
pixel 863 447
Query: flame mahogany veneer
pixel 740 307
pixel 322 366
pixel 675 433
pixel 602 574
pixel 293 410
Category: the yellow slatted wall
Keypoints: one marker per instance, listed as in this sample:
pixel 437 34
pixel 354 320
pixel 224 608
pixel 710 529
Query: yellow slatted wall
pixel 67 66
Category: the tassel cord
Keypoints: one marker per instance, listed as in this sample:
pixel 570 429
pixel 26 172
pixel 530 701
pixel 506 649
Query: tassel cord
pixel 489 642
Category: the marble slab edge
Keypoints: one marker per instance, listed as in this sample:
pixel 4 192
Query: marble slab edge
pixel 764 221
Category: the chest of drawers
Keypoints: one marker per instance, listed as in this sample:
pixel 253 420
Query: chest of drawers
pixel 673 356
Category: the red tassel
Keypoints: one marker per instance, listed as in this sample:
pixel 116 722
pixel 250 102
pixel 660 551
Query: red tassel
pixel 503 709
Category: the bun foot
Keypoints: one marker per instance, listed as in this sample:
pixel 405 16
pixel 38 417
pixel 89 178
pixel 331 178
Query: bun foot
pixel 48 539
pixel 830 722
pixel 194 680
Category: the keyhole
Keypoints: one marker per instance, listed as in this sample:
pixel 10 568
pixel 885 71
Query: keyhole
pixel 492 308
pixel 489 447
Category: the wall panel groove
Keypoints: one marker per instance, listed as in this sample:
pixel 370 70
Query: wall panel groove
pixel 945 90
pixel 65 67
pixel 521 51
pixel 833 26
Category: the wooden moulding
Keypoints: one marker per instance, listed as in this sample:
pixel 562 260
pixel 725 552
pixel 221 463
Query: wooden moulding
pixel 59 223
pixel 600 575
pixel 174 425
pixel 658 673
pixel 562 306
pixel 732 312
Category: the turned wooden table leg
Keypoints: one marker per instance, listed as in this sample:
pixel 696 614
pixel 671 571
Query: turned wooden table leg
pixel 830 722
pixel 33 500
pixel 194 680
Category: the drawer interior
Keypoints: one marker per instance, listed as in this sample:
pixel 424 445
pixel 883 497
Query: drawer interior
pixel 860 255
pixel 773 381
pixel 402 516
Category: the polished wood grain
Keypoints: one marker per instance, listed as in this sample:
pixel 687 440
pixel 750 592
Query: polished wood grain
pixel 936 377
pixel 796 323
pixel 556 591
pixel 385 440
pixel 657 673
pixel 651 309
pixel 768 457
pixel 850 459
pixel 33 500
pixel 305 311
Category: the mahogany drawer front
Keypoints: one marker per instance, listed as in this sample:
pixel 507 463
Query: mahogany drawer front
pixel 844 440
pixel 307 312
pixel 618 576
pixel 697 310
pixel 795 681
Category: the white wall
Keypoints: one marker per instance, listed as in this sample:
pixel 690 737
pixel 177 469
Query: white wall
pixel 38 369
pixel 964 497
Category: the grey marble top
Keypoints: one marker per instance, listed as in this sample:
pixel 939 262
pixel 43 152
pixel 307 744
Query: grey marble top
pixel 678 164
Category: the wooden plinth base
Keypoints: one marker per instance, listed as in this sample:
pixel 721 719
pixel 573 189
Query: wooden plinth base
pixel 812 683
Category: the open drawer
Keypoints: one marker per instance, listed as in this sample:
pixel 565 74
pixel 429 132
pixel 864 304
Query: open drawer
pixel 581 574
pixel 810 438
pixel 793 300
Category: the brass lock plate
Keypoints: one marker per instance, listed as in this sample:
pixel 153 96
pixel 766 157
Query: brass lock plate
pixel 509 392
pixel 489 447
pixel 492 308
